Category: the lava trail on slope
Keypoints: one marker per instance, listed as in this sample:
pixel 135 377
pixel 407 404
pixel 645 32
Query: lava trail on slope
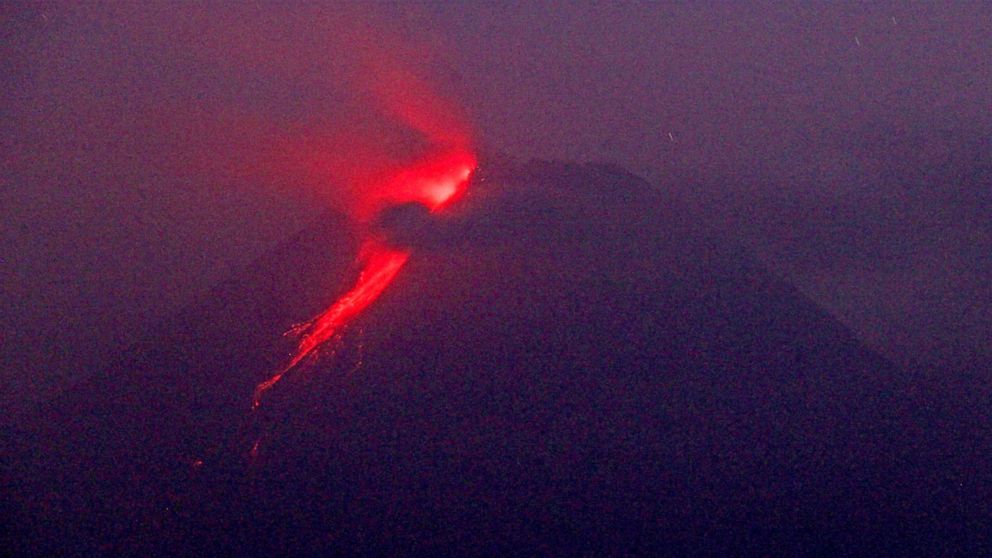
pixel 434 182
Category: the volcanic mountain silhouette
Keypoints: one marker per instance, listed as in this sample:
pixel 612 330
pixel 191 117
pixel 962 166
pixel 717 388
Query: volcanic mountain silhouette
pixel 568 365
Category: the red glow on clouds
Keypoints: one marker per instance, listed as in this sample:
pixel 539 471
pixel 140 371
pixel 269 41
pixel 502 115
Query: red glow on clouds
pixel 352 117
pixel 435 182
pixel 352 97
pixel 333 106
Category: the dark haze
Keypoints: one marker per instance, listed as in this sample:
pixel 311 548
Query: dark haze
pixel 150 151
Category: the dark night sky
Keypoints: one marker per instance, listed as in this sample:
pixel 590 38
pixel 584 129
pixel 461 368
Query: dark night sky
pixel 149 152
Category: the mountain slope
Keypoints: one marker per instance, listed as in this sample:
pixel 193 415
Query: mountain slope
pixel 565 366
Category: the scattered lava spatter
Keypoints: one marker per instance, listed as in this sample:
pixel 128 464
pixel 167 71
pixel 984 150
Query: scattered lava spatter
pixel 434 182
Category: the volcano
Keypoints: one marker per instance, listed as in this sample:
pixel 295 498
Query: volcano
pixel 568 364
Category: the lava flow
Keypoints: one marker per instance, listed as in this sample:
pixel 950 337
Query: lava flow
pixel 435 183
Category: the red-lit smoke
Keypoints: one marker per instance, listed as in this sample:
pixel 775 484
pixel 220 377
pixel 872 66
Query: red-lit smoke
pixel 261 109
pixel 434 182
pixel 323 103
pixel 425 158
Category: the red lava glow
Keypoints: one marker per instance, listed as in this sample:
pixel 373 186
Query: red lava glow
pixel 402 142
pixel 381 266
pixel 434 182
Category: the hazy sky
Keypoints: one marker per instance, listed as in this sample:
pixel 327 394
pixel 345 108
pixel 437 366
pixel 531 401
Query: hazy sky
pixel 148 152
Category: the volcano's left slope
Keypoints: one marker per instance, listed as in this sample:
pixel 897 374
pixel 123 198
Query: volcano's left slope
pixel 104 460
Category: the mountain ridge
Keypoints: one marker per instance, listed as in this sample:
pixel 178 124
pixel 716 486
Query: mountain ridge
pixel 554 353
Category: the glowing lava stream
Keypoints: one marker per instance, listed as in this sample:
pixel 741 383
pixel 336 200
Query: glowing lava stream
pixel 435 183
pixel 381 268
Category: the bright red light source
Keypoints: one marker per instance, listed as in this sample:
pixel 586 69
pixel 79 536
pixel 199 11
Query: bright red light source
pixel 434 182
